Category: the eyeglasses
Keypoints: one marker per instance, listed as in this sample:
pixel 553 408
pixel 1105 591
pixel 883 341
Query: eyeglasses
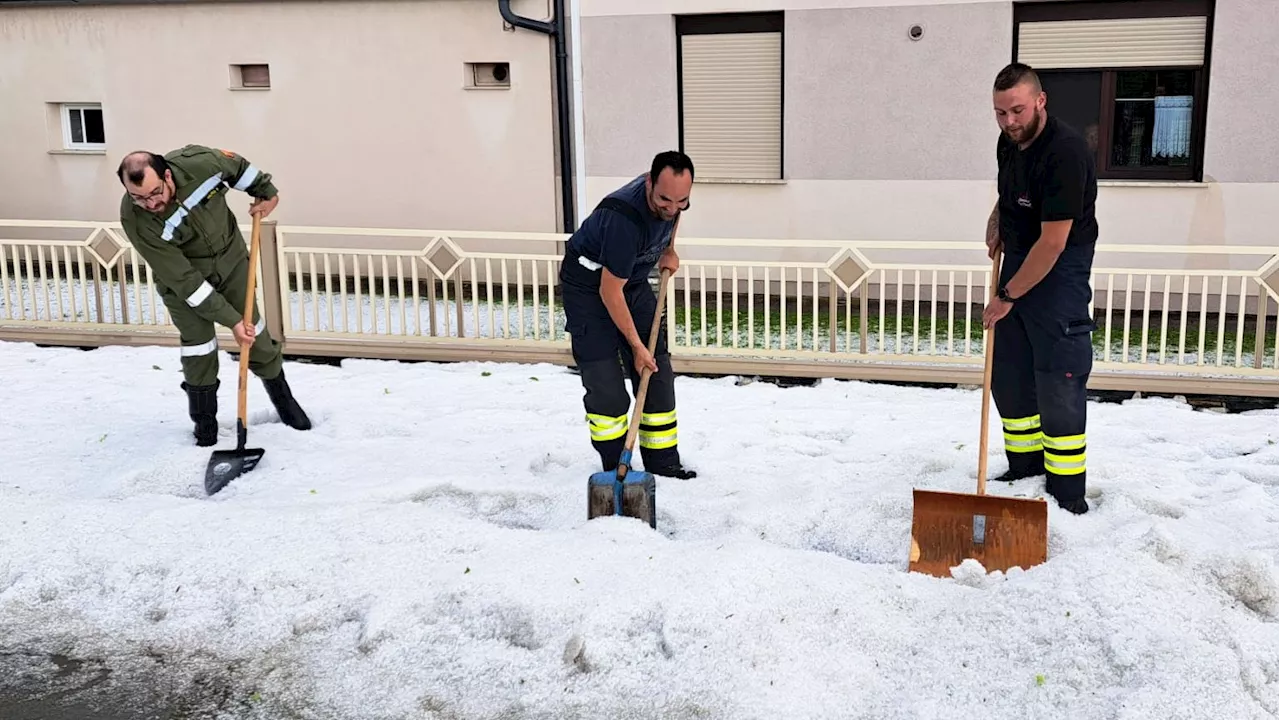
pixel 143 200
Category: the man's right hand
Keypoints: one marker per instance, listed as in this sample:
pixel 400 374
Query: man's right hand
pixel 243 333
pixel 643 359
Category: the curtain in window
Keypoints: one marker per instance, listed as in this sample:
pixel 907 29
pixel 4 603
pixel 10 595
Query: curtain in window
pixel 1171 136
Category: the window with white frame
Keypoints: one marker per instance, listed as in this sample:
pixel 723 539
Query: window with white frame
pixel 82 127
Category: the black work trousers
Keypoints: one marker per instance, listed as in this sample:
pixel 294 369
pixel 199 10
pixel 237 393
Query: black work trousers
pixel 605 362
pixel 1043 357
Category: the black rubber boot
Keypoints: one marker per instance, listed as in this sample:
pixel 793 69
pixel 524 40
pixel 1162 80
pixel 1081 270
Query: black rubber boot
pixel 202 405
pixel 666 462
pixel 290 412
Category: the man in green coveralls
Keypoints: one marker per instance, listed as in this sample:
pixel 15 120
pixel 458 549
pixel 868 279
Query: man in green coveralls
pixel 175 213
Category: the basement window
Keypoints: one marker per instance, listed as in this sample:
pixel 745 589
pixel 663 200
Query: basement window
pixel 82 127
pixel 251 77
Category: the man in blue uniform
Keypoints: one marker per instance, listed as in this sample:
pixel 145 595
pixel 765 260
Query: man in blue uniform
pixel 609 308
pixel 1044 221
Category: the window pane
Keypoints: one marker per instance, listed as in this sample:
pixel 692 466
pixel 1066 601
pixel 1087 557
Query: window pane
pixel 1152 125
pixel 77 126
pixel 93 127
pixel 1075 97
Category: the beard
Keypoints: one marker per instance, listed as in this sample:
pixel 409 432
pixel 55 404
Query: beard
pixel 1026 132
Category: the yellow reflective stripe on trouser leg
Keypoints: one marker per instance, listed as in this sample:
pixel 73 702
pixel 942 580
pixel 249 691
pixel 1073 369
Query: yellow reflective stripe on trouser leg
pixel 1064 455
pixel 658 430
pixel 1022 435
pixel 605 428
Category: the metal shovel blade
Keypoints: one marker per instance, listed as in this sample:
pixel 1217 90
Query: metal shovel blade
pixel 227 465
pixel 635 496
pixel 999 532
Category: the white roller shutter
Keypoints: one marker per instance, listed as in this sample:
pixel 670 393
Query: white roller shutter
pixel 1136 42
pixel 732 98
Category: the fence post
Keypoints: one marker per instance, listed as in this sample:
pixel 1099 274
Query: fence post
pixel 269 254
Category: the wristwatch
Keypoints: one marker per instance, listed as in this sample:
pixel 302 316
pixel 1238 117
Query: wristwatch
pixel 1003 294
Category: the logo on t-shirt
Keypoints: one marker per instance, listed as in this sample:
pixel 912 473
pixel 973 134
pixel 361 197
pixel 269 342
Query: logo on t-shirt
pixel 1024 201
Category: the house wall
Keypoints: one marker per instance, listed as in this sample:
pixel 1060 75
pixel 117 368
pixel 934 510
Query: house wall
pixel 886 138
pixel 366 123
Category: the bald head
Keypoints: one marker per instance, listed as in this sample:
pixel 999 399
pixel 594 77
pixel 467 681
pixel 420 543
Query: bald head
pixel 134 166
pixel 147 179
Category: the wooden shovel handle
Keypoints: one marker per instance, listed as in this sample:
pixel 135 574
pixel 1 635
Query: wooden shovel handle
pixel 986 379
pixel 645 374
pixel 243 398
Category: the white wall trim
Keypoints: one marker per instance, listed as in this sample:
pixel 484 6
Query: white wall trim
pixel 579 133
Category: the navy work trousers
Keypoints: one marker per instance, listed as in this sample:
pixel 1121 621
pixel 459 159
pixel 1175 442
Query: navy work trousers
pixel 1043 357
pixel 605 362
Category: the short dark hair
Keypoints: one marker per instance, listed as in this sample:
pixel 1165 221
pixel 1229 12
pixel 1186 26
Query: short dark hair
pixel 674 159
pixel 1014 74
pixel 135 165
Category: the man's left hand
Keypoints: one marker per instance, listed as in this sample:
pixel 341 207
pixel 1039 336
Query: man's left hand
pixel 669 261
pixel 995 312
pixel 263 207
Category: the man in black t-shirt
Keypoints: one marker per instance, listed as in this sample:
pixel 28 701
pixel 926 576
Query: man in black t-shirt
pixel 609 308
pixel 1044 222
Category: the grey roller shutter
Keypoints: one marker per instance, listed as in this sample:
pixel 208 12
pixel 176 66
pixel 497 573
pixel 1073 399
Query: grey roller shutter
pixel 1135 42
pixel 732 101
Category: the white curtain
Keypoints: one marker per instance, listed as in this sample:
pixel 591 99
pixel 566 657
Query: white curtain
pixel 1171 136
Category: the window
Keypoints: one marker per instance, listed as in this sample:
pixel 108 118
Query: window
pixel 1132 76
pixel 82 127
pixel 251 77
pixel 729 76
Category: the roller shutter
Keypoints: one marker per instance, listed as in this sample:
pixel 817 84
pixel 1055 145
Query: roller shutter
pixel 732 103
pixel 1136 42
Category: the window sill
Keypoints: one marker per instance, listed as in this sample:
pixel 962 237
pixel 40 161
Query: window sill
pixel 249 89
pixel 739 181
pixel 77 152
pixel 1153 183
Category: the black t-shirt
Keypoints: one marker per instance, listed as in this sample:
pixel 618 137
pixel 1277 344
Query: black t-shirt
pixel 608 238
pixel 1053 179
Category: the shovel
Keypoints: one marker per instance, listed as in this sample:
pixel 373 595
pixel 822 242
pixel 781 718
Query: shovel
pixel 999 532
pixel 623 491
pixel 227 465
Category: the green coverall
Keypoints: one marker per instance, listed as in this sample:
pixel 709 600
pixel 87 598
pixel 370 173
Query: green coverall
pixel 198 257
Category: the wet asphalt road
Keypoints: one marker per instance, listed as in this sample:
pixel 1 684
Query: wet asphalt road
pixel 56 687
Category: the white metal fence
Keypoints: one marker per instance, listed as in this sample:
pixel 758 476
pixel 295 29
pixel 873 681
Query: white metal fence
pixel 1205 312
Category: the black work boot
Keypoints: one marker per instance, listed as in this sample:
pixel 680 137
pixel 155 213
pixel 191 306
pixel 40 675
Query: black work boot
pixel 1068 491
pixel 290 412
pixel 1022 465
pixel 202 405
pixel 666 462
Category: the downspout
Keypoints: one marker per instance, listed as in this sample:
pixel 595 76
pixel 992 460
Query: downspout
pixel 555 28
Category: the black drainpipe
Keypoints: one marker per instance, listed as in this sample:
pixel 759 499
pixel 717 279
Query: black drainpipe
pixel 556 29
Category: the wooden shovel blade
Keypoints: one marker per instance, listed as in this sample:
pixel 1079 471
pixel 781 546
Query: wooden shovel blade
pixel 999 532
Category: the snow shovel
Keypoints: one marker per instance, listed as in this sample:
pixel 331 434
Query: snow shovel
pixel 624 491
pixel 227 465
pixel 999 532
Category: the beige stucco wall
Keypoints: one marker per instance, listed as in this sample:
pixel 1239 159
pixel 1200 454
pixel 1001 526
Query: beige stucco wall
pixel 886 138
pixel 366 123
